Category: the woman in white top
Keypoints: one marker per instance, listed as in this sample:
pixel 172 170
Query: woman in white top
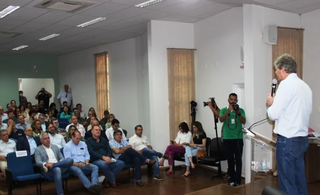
pixel 177 146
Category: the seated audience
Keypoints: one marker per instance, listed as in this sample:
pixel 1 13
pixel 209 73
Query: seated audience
pixel 66 113
pixel 198 142
pixel 8 108
pixel 70 130
pixel 51 161
pixel 49 117
pixel 108 124
pixel 94 113
pixel 115 124
pixel 141 144
pixel 88 119
pixel 42 119
pixel 23 111
pixel 105 119
pixel 55 123
pixel 2 114
pixel 42 108
pixel 101 155
pixel 82 114
pixel 29 106
pixel 17 112
pixel 89 133
pixel 22 99
pixel 28 142
pixel 55 139
pixel 32 116
pixel 91 121
pixel 22 124
pixel 177 146
pixel 3 126
pixel 78 151
pixel 12 130
pixel 6 146
pixel 13 104
pixel 11 116
pixel 77 114
pixel 123 151
pixel 74 121
pixel 36 128
pixel 54 110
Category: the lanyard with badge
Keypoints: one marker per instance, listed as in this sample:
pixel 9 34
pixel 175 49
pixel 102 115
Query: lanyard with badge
pixel 232 121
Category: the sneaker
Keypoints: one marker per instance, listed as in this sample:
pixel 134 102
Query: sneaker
pixel 157 178
pixel 234 184
pixel 95 188
pixel 226 177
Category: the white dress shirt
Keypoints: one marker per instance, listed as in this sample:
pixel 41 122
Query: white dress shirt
pixel 51 156
pixel 4 116
pixel 8 147
pixel 183 137
pixel 138 143
pixel 292 107
pixel 57 140
pixel 3 126
pixel 109 134
pixel 80 128
pixel 65 97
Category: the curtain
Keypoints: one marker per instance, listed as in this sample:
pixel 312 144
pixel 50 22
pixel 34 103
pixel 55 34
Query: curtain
pixel 181 85
pixel 102 83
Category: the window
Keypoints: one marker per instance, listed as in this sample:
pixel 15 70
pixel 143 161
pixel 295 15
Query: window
pixel 181 85
pixel 102 83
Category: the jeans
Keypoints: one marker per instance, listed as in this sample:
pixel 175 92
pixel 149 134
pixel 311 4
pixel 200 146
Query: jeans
pixel 78 171
pixel 233 149
pixel 110 170
pixel 290 164
pixel 190 152
pixel 130 156
pixel 153 155
pixel 57 170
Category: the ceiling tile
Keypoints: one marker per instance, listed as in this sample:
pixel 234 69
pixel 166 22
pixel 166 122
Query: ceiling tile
pixel 186 5
pixel 53 17
pixel 6 24
pixel 104 9
pixel 26 14
pixel 154 15
pixel 207 11
pixel 31 26
pixel 297 4
pixel 128 13
pixel 15 2
pixel 76 19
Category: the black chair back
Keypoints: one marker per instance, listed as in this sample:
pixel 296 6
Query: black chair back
pixel 216 148
pixel 269 190
pixel 208 146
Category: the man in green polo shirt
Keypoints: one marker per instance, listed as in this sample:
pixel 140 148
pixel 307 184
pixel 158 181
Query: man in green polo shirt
pixel 233 118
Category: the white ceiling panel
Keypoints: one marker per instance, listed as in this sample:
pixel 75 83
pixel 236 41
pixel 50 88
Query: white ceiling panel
pixel 119 25
pixel 104 9
pixel 15 2
pixel 75 31
pixel 6 24
pixel 26 14
pixel 139 28
pixel 180 18
pixel 76 19
pixel 307 9
pixel 128 13
pixel 31 26
pixel 272 2
pixel 297 4
pixel 53 17
pixel 207 11
pixel 154 15
pixel 187 5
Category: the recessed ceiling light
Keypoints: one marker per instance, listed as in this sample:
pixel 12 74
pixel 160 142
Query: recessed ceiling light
pixel 8 10
pixel 49 37
pixel 20 47
pixel 91 22
pixel 147 3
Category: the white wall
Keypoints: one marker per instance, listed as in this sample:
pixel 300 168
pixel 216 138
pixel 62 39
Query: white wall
pixel 77 70
pixel 311 69
pixel 163 35
pixel 30 87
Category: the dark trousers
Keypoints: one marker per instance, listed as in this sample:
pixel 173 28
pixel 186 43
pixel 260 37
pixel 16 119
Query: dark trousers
pixel 130 156
pixel 233 149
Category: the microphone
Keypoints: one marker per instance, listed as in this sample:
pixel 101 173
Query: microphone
pixel 274 84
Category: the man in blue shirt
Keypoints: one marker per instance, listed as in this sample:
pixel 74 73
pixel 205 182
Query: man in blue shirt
pixel 28 142
pixel 22 124
pixel 78 151
pixel 101 155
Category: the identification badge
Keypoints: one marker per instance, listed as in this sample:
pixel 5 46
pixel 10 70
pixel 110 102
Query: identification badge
pixel 233 121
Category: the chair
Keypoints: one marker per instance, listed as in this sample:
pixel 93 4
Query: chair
pixel 63 122
pixel 16 173
pixel 269 190
pixel 214 156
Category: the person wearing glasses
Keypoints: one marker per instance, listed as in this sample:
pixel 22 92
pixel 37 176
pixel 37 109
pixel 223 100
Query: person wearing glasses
pixel 65 96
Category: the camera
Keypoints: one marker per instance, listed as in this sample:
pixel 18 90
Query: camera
pixel 212 102
pixel 235 107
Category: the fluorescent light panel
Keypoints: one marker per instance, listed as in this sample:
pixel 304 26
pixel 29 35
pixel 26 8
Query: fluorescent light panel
pixel 91 22
pixel 8 10
pixel 49 37
pixel 147 3
pixel 20 47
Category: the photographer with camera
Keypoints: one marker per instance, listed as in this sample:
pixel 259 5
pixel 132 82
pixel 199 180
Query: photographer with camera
pixel 233 118
pixel 44 95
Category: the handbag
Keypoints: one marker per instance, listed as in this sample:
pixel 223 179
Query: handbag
pixel 201 153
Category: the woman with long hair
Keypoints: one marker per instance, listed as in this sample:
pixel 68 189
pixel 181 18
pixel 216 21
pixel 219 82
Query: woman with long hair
pixel 177 146
pixel 36 128
pixel 55 112
pixel 70 130
pixel 198 142
pixel 94 113
pixel 111 117
pixel 23 111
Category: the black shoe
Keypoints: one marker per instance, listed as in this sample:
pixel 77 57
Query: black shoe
pixel 157 178
pixel 95 188
pixel 139 183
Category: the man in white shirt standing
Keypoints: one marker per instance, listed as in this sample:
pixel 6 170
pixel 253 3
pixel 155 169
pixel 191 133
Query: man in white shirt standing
pixel 140 143
pixel 6 146
pixel 115 124
pixel 50 160
pixel 65 96
pixel 74 121
pixel 55 139
pixel 290 108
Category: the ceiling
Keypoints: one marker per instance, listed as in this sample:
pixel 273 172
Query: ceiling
pixel 124 21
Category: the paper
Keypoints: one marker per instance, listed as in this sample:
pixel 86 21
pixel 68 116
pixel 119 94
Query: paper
pixel 21 153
